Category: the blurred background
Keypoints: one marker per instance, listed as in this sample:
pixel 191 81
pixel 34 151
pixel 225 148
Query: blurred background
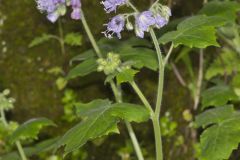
pixel 35 76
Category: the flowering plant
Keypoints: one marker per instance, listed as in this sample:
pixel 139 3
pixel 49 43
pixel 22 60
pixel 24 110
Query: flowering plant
pixel 151 47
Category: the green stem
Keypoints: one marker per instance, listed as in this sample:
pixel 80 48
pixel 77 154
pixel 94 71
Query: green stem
pixel 18 144
pixel 160 74
pixel 158 137
pixel 155 121
pixel 142 97
pixel 61 35
pixel 157 130
pixel 134 141
pixel 115 90
pixel 20 150
pixel 118 97
pixel 90 36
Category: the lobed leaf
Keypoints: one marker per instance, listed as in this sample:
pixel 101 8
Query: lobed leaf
pixel 225 64
pixel 224 9
pixel 100 118
pixel 30 129
pixel 222 137
pixel 126 75
pixel 218 96
pixel 73 39
pixel 197 31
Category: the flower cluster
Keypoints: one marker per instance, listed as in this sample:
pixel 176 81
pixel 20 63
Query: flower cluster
pixel 57 8
pixel 156 17
pixel 110 64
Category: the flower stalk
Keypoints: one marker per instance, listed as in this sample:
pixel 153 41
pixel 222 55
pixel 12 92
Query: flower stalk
pixel 117 93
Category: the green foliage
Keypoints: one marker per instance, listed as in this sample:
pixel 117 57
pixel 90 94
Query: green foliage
pixel 222 136
pixel 30 129
pixel 73 39
pixel 69 101
pixel 218 96
pixel 197 31
pixel 41 39
pixel 135 50
pixel 168 126
pixel 61 83
pixel 224 9
pixel 100 118
pixel 5 102
pixel 126 75
pixel 44 146
pixel 86 67
pixel 225 64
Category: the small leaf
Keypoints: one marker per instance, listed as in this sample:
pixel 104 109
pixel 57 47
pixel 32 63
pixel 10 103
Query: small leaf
pixel 30 129
pixel 130 112
pixel 196 31
pixel 218 96
pixel 225 9
pixel 225 64
pixel 100 118
pixel 61 83
pixel 127 75
pixel 73 39
pixel 83 69
pixel 222 137
pixel 39 40
pixel 216 115
pixel 83 56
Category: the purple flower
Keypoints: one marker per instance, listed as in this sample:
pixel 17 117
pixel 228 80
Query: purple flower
pixel 111 5
pixel 160 21
pixel 48 6
pixel 76 14
pixel 143 21
pixel 52 17
pixel 116 25
pixel 51 8
pixel 76 6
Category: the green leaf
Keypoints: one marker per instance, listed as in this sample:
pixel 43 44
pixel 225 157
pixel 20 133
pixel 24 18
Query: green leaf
pixel 44 146
pixel 39 40
pixel 137 50
pixel 214 115
pixel 224 9
pixel 30 129
pixel 196 31
pixel 100 118
pixel 222 137
pixel 86 67
pixel 130 112
pixel 218 96
pixel 73 39
pixel 83 56
pixel 127 75
pixel 225 64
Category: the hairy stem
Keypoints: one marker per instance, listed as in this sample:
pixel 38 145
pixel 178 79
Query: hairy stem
pixel 115 90
pixel 18 144
pixel 156 115
pixel 157 130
